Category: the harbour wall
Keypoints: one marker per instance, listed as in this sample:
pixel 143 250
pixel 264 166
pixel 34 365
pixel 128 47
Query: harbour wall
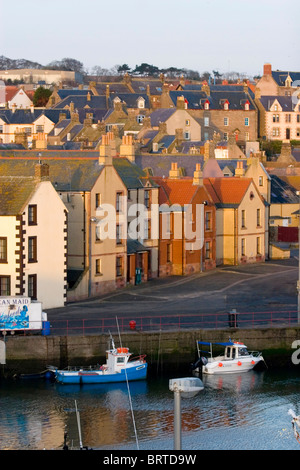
pixel 166 351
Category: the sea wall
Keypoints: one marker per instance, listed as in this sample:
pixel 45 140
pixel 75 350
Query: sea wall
pixel 166 351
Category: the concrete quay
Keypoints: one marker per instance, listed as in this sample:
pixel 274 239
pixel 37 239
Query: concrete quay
pixel 167 351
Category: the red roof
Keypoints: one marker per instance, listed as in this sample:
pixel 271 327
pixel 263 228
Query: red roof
pixel 177 191
pixel 229 190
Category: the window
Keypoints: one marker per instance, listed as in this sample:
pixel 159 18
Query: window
pixel 119 202
pixel 32 249
pixel 243 218
pixel 119 266
pixel 98 267
pixel 97 200
pixel 246 106
pixel 243 246
pixel 3 250
pixel 39 128
pixel 1 129
pixel 32 214
pixel 287 118
pixel 4 285
pixel 147 199
pixel 141 103
pixel 187 122
pixel 225 135
pixel 298 132
pixel 206 121
pixel 169 253
pixel 298 118
pixel 206 105
pixel 207 250
pixel 226 105
pixel 275 131
pixel 27 130
pixel 275 107
pixel 261 181
pixel 275 117
pixel 207 220
pixel 187 135
pixel 32 286
pixel 258 219
pixel 246 121
pixel 140 118
pixel 119 234
pixel 247 136
pixel 258 246
pixel 226 121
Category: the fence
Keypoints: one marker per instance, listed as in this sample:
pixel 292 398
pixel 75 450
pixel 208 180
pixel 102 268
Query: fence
pixel 173 322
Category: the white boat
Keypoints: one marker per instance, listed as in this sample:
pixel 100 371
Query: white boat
pixel 236 358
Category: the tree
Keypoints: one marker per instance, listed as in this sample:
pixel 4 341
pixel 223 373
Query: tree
pixel 41 97
pixel 122 69
pixel 146 69
pixel 66 64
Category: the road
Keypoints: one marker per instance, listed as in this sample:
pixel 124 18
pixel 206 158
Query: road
pixel 266 289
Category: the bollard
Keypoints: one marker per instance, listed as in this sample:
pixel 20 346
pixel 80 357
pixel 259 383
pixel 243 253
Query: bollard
pixel 132 324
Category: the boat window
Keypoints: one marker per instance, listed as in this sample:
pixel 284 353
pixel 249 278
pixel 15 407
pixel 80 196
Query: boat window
pixel 227 352
pixel 243 352
pixel 120 360
pixel 233 353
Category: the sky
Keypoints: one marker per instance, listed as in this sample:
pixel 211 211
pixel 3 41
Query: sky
pixel 201 35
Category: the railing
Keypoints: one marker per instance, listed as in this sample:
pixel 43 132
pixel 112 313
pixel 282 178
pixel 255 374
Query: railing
pixel 94 326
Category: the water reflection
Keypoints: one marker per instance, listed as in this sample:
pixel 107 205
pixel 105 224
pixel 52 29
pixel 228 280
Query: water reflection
pixel 247 410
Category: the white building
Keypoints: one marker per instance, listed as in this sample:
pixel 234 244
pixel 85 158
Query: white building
pixel 33 239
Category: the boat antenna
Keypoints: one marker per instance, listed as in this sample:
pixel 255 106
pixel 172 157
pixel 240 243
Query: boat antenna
pixel 129 395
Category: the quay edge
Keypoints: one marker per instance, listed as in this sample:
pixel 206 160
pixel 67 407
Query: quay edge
pixel 166 351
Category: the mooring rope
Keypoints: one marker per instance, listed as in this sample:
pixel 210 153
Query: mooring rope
pixel 295 423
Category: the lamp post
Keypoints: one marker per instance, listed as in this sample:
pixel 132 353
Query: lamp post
pixel 186 387
pixel 298 282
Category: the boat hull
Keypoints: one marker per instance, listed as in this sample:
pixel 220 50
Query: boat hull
pixel 138 372
pixel 231 366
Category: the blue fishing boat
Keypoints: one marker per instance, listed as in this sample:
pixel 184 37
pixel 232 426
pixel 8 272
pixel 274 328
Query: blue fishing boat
pixel 119 367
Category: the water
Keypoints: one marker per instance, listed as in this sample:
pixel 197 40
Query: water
pixel 244 411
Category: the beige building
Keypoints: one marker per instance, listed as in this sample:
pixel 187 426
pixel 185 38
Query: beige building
pixel 33 244
pixel 278 82
pixel 241 229
pixel 41 75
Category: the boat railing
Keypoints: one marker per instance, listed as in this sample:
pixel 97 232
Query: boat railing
pixel 140 358
pixel 255 353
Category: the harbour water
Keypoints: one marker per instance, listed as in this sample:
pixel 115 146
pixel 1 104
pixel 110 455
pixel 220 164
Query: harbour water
pixel 238 412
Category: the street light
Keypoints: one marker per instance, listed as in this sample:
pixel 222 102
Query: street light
pixel 298 282
pixel 186 387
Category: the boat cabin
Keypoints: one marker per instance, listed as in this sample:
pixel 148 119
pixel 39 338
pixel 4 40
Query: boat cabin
pixel 236 350
pixel 116 359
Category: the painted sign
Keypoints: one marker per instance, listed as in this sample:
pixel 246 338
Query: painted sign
pixel 14 313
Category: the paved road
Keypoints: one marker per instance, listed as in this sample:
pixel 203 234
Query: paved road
pixel 268 289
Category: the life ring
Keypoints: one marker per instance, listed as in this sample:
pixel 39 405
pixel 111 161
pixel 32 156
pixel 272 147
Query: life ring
pixel 122 350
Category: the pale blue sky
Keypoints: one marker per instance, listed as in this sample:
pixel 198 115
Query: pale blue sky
pixel 202 35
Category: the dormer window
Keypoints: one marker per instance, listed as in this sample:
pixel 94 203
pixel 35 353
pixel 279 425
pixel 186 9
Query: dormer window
pixel 206 105
pixel 247 106
pixel 226 105
pixel 275 107
pixel 141 103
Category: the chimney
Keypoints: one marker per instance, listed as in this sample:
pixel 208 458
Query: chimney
pixel 198 175
pixel 41 171
pixel 107 91
pixel 267 69
pixel 180 104
pixel 107 149
pixel 127 148
pixel 179 136
pixel 62 116
pixel 88 96
pixel 205 88
pixel 32 108
pixel 174 172
pixel 239 171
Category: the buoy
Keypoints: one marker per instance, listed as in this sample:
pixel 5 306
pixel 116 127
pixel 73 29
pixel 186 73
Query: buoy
pixel 239 363
pixel 252 362
pixel 220 364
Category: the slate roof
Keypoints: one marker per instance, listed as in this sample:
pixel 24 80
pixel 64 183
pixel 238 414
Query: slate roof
pixel 15 192
pixel 286 102
pixel 82 101
pixel 140 86
pixel 131 99
pixel 26 116
pixel 65 92
pixel 113 88
pixel 280 76
pixel 132 175
pixel 282 192
pixel 161 115
pixel 196 99
pixel 160 165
